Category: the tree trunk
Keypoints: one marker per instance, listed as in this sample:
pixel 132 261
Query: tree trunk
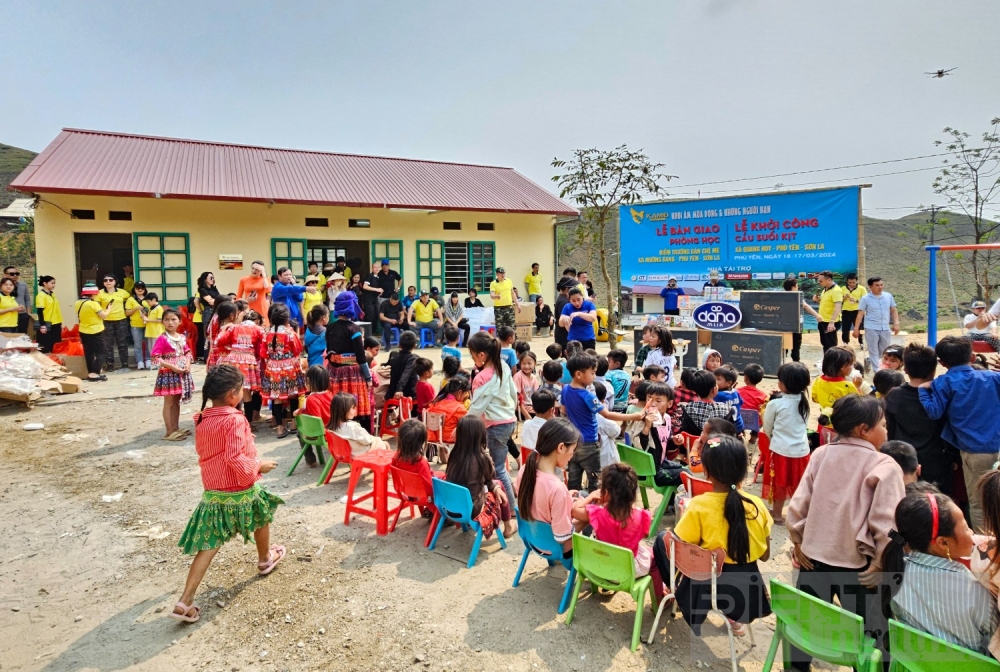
pixel 611 289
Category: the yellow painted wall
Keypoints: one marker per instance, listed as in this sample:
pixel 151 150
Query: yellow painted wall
pixel 218 227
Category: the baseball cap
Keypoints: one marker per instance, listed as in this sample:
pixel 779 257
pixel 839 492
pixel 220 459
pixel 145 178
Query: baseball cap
pixel 385 262
pixel 500 269
pixel 88 290
pixel 672 277
pixel 978 304
pixel 424 292
pixel 435 290
pixel 566 282
pixel 713 274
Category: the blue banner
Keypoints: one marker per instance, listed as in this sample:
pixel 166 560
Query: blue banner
pixel 763 238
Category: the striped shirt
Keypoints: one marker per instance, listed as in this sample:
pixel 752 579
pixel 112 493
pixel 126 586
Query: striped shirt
pixel 227 455
pixel 943 598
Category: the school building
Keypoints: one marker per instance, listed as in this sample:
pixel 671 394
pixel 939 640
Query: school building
pixel 173 209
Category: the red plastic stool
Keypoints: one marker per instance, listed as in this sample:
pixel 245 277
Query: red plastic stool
pixel 983 347
pixel 405 406
pixel 490 328
pixel 378 461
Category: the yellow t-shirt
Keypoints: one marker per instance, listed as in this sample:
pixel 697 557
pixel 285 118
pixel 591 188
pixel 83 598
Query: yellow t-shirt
pixel 196 318
pixel 154 329
pixel 704 523
pixel 310 300
pixel 49 304
pixel 128 284
pixel 8 319
pixel 825 390
pixel 86 312
pixel 852 297
pixel 504 290
pixel 322 282
pixel 422 313
pixel 826 300
pixel 135 319
pixel 116 300
pixel 534 283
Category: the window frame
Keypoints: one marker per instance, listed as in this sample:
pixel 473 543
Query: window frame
pixel 290 258
pixel 433 279
pixel 137 269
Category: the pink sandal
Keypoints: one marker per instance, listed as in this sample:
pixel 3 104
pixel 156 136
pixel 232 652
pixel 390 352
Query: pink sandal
pixel 271 561
pixel 185 615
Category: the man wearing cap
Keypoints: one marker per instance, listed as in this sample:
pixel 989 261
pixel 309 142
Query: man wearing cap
pixel 436 295
pixel 877 312
pixel 425 314
pixel 669 295
pixel 370 294
pixel 714 281
pixel 533 283
pixel 388 280
pixel 831 300
pixel 979 324
pixel 505 300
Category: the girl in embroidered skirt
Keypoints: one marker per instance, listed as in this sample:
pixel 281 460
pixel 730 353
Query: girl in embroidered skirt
pixel 345 356
pixel 785 421
pixel 173 381
pixel 470 466
pixel 725 518
pixel 211 332
pixel 238 343
pixel 281 376
pixel 233 504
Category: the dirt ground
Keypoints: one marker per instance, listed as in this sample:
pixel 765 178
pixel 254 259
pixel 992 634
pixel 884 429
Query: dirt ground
pixel 87 584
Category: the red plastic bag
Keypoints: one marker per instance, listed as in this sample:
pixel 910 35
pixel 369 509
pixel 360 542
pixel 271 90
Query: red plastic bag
pixel 70 348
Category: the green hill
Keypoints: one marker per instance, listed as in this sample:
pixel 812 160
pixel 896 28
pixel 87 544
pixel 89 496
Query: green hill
pixel 12 161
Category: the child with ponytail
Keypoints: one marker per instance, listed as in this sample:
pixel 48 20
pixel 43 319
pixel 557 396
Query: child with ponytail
pixel 610 512
pixel 541 494
pixel 233 503
pixel 930 588
pixel 173 379
pixel 728 518
pixel 785 423
pixel 281 375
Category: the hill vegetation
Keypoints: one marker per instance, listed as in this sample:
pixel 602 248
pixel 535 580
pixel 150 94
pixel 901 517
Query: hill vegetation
pixel 12 161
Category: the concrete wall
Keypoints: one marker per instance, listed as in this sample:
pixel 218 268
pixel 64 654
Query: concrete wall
pixel 218 227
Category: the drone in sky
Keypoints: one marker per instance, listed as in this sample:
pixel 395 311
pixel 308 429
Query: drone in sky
pixel 938 74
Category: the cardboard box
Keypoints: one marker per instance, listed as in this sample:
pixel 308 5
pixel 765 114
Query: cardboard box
pixel 75 364
pixel 526 316
pixel 522 332
pixel 69 385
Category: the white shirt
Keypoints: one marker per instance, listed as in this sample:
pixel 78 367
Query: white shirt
pixel 995 309
pixel 529 432
pixel 970 322
pixel 668 362
pixel 785 427
pixel 607 432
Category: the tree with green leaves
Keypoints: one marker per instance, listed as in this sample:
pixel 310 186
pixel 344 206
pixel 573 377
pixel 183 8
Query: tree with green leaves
pixel 969 182
pixel 599 182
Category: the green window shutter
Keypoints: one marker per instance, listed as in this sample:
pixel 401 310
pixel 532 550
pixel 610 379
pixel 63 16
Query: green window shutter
pixel 386 249
pixel 430 264
pixel 482 263
pixel 163 263
pixel 290 252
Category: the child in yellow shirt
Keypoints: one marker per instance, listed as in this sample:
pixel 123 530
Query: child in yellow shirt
pixel 154 323
pixel 838 363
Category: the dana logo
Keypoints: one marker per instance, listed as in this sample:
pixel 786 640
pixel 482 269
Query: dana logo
pixel 715 316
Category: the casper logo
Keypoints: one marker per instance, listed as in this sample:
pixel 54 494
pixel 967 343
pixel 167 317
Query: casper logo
pixel 766 308
pixel 736 347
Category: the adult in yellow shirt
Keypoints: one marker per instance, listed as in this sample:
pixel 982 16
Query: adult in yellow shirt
pixel 533 283
pixel 49 314
pixel 91 317
pixel 505 300
pixel 852 296
pixel 135 307
pixel 113 301
pixel 831 301
pixel 9 307
pixel 425 313
pixel 312 297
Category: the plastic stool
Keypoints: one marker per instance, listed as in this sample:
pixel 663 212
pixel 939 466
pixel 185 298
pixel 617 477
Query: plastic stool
pixel 461 338
pixel 390 340
pixel 426 338
pixel 490 328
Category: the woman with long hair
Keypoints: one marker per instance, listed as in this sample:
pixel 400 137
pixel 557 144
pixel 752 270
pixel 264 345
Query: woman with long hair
pixel 470 466
pixel 49 314
pixel 208 294
pixel 454 315
pixel 135 307
pixel 116 325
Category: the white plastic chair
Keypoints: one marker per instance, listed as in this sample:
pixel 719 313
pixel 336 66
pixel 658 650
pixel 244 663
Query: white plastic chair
pixel 435 423
pixel 697 564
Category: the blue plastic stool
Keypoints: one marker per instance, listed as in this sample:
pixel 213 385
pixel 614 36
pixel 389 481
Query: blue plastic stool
pixel 461 338
pixel 490 328
pixel 390 340
pixel 426 338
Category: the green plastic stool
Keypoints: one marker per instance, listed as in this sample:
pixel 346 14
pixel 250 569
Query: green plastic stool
pixel 313 435
pixel 612 568
pixel 916 651
pixel 645 469
pixel 821 629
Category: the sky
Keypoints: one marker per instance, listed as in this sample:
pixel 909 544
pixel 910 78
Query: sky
pixel 714 89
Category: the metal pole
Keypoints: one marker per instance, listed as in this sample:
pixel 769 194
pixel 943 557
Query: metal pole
pixel 932 297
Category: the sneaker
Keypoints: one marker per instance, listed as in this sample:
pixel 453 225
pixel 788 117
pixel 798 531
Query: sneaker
pixel 140 365
pixel 149 364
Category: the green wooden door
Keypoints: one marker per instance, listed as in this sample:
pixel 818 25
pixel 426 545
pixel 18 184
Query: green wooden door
pixel 430 264
pixel 386 249
pixel 289 252
pixel 163 263
pixel 482 263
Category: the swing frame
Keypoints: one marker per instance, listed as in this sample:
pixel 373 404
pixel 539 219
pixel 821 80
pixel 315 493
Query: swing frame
pixel 932 285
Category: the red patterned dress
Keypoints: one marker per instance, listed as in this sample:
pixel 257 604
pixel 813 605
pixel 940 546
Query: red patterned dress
pixel 211 331
pixel 281 373
pixel 239 345
pixel 173 350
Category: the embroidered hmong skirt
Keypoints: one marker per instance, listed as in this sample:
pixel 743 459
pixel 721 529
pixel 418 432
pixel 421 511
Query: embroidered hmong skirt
pixel 170 383
pixel 347 377
pixel 282 377
pixel 782 476
pixel 246 362
pixel 220 516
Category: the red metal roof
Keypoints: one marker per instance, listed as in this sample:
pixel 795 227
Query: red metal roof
pixel 117 164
